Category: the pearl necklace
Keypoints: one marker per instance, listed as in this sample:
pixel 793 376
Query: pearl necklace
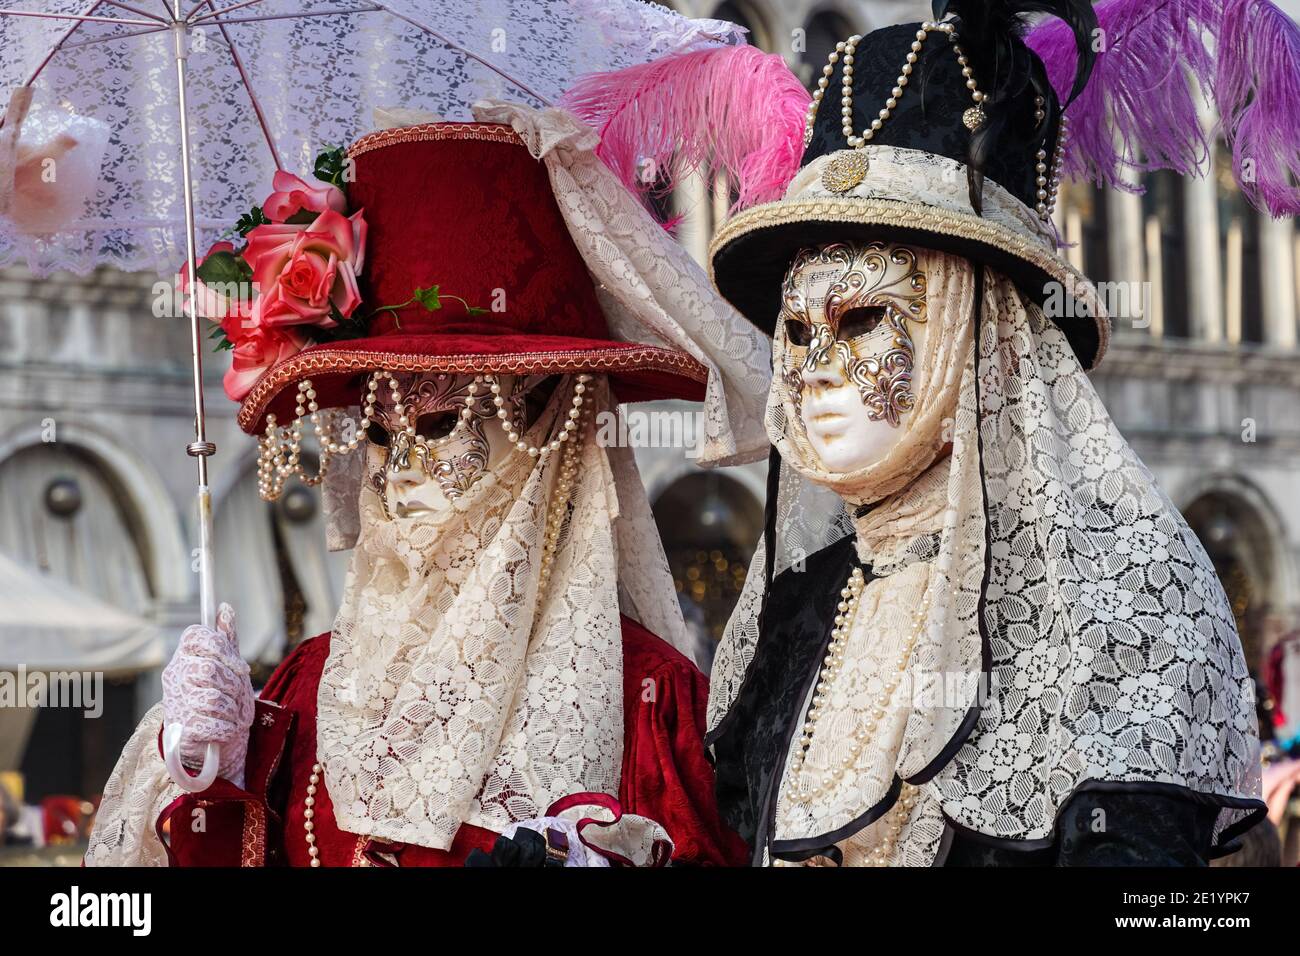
pixel 882 854
pixel 280 449
pixel 832 665
pixel 535 451
pixel 309 813
pixel 972 118
pixel 1048 187
pixel 890 826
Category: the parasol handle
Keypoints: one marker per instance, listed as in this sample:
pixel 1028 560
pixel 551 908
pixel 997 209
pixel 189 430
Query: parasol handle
pixel 200 448
pixel 176 770
pixel 208 616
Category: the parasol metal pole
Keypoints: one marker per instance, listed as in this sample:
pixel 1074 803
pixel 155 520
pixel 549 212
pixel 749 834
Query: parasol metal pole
pixel 200 448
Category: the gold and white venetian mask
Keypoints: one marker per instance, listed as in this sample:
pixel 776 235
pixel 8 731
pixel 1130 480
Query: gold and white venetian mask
pixel 853 316
pixel 433 436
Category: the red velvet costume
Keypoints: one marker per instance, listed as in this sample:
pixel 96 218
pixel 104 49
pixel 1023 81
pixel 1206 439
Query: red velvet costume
pixel 666 775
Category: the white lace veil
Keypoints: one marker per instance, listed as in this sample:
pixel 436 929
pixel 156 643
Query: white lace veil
pixel 1111 650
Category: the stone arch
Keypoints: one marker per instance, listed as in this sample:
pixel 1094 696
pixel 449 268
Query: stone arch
pixel 709 522
pixel 144 497
pixel 1245 537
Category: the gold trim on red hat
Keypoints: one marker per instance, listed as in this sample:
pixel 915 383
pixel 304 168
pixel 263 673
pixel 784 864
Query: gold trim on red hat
pixel 341 360
pixel 427 132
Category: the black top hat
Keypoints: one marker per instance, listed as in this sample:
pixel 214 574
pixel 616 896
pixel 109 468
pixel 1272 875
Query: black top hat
pixel 952 141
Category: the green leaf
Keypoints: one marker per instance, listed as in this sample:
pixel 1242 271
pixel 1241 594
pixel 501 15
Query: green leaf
pixel 222 343
pixel 224 271
pixel 475 310
pixel 250 221
pixel 330 166
pixel 429 298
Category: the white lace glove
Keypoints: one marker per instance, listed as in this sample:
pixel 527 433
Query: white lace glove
pixel 207 692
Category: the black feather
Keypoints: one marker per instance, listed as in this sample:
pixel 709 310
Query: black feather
pixel 991 26
pixel 991 32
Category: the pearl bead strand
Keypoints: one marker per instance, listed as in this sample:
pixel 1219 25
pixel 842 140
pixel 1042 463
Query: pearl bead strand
pixel 892 824
pixel 847 49
pixel 832 666
pixel 309 813
pixel 1048 186
pixel 563 489
pixel 570 426
pixel 280 449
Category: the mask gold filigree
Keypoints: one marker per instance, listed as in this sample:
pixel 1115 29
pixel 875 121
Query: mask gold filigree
pixel 455 460
pixel 853 301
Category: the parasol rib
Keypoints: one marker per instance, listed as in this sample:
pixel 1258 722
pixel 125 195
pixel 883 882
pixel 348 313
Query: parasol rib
pixel 191 19
pixel 297 15
pixel 252 96
pixel 79 17
pixel 116 36
pixel 136 10
pixel 469 53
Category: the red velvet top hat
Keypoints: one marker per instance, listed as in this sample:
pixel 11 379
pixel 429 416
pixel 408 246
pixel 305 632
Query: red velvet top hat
pixel 466 208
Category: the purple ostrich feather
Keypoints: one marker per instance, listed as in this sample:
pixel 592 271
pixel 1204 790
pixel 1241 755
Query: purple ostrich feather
pixel 1257 88
pixel 1157 60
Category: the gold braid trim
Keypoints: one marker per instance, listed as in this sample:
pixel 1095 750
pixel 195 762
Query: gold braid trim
pixel 311 362
pixel 908 215
pixel 425 132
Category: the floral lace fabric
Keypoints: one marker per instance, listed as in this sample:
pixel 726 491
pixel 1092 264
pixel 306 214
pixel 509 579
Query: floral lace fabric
pixel 134 798
pixel 1113 649
pixel 457 690
pixel 246 107
pixel 1115 652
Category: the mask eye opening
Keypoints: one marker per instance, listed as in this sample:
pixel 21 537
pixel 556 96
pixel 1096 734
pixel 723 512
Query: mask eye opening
pixel 798 333
pixel 860 320
pixel 537 396
pixel 435 425
pixel 377 434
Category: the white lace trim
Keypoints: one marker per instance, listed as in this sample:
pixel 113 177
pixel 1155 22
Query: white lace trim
pixel 135 796
pixel 125 211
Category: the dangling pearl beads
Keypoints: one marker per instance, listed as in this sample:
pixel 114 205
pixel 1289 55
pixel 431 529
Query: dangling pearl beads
pixel 832 665
pixel 280 450
pixel 563 484
pixel 1048 186
pixel 570 426
pixel 882 854
pixel 309 813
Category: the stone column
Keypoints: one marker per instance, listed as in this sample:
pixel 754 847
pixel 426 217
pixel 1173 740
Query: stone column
pixel 691 201
pixel 1205 289
pixel 1277 263
pixel 1129 261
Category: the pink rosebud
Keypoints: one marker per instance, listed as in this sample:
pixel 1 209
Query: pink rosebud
pixel 214 303
pixel 295 194
pixel 256 350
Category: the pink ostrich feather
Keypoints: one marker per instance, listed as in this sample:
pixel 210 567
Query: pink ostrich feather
pixel 1257 88
pixel 1139 109
pixel 734 108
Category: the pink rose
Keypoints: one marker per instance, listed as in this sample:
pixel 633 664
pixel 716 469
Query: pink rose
pixel 300 271
pixel 295 194
pixel 256 350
